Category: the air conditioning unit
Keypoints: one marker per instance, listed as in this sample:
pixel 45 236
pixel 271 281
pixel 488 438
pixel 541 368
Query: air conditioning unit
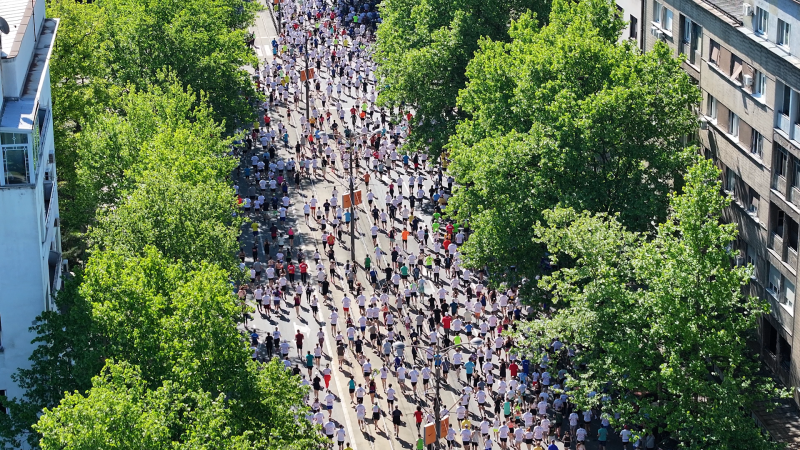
pixel 740 261
pixel 703 124
pixel 656 32
pixel 747 80
pixel 747 9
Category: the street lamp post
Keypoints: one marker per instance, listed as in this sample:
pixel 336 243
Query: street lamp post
pixel 352 209
pixel 308 74
pixel 475 342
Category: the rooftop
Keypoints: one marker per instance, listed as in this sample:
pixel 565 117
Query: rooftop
pixel 18 14
pixel 729 10
pixel 20 113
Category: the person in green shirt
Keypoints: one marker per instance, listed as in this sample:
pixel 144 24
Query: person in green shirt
pixel 602 437
pixel 309 362
pixel 435 226
pixel 367 263
pixel 436 216
pixel 420 443
pixel 404 271
pixel 457 340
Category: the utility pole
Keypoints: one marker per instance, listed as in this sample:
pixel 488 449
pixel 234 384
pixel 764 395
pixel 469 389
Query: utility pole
pixel 437 361
pixel 352 209
pixel 308 75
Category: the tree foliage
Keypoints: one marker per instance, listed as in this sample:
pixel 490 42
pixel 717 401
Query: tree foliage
pixel 662 324
pixel 121 411
pixel 423 49
pixel 106 48
pixel 565 115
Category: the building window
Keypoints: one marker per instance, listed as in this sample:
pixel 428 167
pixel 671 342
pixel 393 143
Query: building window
pixel 774 283
pixel 791 234
pixel 15 157
pixel 692 40
pixel 733 124
pixel 752 204
pixel 662 17
pixel 786 101
pixel 634 28
pixel 787 295
pixel 761 22
pixel 757 145
pixel 752 259
pixel 713 55
pixel 711 109
pixel 657 10
pixel 770 337
pixel 781 161
pixel 731 179
pixel 784 32
pixel 736 69
pixel 760 85
pixel 780 222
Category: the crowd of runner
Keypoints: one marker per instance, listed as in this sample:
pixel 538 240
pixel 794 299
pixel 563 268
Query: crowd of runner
pixel 405 314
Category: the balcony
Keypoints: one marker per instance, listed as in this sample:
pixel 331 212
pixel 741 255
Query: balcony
pixel 776 243
pixel 54 266
pixel 49 189
pixel 783 123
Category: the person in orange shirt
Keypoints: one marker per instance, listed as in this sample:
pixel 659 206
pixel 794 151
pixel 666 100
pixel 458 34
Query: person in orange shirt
pixel 405 238
pixel 366 180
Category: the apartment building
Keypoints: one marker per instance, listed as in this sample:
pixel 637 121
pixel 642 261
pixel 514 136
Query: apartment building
pixel 30 240
pixel 742 55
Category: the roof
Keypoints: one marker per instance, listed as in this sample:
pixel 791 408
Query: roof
pixel 17 13
pixel 20 113
pixel 730 9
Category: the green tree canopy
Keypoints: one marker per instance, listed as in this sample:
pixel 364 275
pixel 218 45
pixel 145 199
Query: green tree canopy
pixel 163 129
pixel 661 324
pixel 186 221
pixel 122 411
pixel 564 115
pixel 423 48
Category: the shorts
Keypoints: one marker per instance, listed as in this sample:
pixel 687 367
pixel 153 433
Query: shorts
pixel 376 416
pixel 503 440
pixel 352 391
pixel 529 441
pixel 329 407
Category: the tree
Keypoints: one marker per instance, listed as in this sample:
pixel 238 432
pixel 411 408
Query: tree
pixel 186 221
pixel 121 411
pixel 109 47
pixel 662 323
pixel 423 48
pixel 566 116
pixel 164 129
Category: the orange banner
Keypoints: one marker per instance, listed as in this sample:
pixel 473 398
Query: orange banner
pixel 346 200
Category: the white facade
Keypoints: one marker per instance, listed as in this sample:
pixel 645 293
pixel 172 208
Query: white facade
pixel 30 239
pixel 631 11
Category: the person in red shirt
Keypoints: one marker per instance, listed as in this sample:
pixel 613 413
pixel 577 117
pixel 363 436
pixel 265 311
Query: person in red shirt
pixel 298 339
pixel 303 272
pixel 446 323
pixel 290 269
pixel 513 368
pixel 418 417
pixel 331 240
pixel 446 244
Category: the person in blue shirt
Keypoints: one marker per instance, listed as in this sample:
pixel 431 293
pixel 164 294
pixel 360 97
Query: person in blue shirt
pixel 470 368
pixel 347 217
pixel 552 445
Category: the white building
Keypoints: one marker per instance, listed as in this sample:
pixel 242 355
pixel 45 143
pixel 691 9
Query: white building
pixel 30 239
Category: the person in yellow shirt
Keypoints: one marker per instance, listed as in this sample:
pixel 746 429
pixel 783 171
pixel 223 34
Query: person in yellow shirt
pixel 538 446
